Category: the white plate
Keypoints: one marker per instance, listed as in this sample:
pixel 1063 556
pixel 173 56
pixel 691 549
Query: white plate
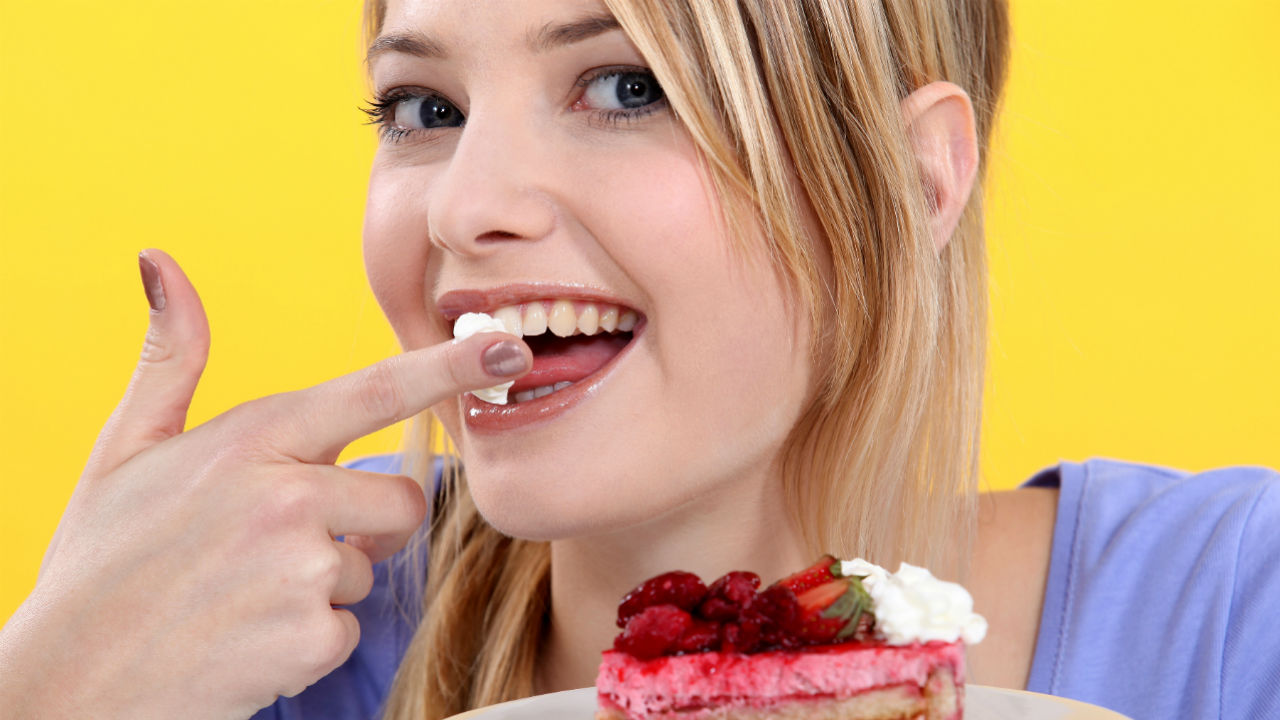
pixel 981 703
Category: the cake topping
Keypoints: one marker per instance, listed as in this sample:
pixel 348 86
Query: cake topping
pixel 469 324
pixel 682 589
pixel 912 605
pixel 826 603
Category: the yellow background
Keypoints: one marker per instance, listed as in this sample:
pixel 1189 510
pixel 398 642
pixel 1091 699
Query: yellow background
pixel 1134 235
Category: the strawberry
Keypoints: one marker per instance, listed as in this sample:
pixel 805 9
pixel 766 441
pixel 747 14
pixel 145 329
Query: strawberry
pixel 824 570
pixel 835 611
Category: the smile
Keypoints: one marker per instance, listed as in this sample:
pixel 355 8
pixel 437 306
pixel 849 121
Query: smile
pixel 576 343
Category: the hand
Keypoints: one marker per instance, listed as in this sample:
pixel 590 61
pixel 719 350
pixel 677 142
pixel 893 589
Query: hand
pixel 193 573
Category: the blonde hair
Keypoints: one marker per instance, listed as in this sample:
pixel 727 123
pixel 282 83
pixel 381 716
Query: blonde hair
pixel 790 103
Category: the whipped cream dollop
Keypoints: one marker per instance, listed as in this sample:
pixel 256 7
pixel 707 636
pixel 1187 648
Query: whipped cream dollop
pixel 470 324
pixel 913 606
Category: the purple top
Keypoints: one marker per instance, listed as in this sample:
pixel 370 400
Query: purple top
pixel 1162 592
pixel 1160 599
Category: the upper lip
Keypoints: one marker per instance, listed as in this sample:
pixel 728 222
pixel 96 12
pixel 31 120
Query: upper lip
pixel 454 303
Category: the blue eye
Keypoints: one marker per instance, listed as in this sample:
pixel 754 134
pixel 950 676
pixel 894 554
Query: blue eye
pixel 423 112
pixel 402 112
pixel 622 90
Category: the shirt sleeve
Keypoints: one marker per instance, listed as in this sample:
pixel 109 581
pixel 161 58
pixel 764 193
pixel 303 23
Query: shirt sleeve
pixel 1251 657
pixel 1162 592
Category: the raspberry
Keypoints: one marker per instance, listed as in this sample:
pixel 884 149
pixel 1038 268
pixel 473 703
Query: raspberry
pixel 778 607
pixel 727 596
pixel 653 632
pixel 701 636
pixel 744 636
pixel 681 589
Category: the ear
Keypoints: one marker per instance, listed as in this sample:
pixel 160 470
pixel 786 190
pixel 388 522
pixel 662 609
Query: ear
pixel 939 120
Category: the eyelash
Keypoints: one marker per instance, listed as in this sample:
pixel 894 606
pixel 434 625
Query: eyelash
pixel 381 108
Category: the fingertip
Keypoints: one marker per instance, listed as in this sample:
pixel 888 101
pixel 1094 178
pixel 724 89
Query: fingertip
pixel 507 358
pixel 152 283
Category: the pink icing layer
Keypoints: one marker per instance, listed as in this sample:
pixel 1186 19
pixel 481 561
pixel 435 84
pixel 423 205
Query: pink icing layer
pixel 685 682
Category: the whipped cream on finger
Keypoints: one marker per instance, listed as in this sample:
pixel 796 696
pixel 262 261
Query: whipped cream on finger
pixel 469 324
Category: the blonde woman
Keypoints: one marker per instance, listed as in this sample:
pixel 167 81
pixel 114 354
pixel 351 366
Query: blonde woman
pixel 741 247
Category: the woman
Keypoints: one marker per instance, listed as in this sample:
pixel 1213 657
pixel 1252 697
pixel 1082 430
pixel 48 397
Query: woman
pixel 784 196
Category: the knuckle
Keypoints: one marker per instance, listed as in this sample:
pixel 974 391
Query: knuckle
pixel 289 503
pixel 155 348
pixel 325 569
pixel 379 393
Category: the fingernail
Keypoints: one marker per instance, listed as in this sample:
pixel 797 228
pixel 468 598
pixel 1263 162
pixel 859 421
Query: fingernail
pixel 151 281
pixel 504 358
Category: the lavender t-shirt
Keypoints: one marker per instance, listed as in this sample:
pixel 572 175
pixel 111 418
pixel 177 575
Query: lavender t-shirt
pixel 1163 599
pixel 1163 596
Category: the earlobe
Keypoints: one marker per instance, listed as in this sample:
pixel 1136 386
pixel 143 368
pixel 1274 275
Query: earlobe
pixel 940 124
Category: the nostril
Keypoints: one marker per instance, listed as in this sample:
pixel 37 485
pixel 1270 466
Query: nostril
pixel 497 235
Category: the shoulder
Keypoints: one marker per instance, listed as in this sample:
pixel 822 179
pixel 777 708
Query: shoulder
pixel 1161 569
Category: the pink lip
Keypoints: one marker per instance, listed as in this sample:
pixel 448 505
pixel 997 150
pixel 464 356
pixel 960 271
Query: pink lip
pixel 456 302
pixel 488 419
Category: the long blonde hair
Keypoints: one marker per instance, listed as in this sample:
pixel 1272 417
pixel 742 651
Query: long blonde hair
pixel 789 102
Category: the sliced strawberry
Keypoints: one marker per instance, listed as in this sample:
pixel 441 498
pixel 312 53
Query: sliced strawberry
pixel 824 570
pixel 834 612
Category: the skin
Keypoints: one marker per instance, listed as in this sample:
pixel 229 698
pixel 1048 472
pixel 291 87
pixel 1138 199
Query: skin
pixel 209 551
pixel 531 190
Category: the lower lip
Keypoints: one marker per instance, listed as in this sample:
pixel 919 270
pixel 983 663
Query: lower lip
pixel 487 418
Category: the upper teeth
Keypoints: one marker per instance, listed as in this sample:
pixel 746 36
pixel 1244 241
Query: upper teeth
pixel 564 318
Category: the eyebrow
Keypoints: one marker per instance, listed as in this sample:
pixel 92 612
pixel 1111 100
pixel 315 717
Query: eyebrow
pixel 548 37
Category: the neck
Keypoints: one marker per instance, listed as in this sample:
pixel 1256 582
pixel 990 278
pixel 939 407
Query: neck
pixel 745 528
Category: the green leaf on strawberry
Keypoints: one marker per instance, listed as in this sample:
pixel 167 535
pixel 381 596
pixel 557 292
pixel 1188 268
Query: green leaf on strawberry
pixel 836 611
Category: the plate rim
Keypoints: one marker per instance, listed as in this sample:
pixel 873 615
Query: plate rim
pixel 479 713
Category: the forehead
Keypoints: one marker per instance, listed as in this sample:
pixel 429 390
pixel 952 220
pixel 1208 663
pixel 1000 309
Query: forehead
pixel 485 17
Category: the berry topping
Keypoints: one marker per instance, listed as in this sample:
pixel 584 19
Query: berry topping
pixel 824 570
pixel 728 596
pixel 833 611
pixel 701 636
pixel 681 589
pixel 675 613
pixel 654 631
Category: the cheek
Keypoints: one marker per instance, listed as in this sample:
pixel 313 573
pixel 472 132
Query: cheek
pixel 396 252
pixel 707 398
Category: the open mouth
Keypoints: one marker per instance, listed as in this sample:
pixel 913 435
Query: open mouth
pixel 573 341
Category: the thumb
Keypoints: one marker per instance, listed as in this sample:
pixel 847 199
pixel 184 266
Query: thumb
pixel 154 407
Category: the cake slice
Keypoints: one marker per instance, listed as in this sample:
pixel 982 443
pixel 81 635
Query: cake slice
pixel 841 640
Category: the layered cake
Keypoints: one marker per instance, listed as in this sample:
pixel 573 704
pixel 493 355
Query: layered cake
pixel 845 640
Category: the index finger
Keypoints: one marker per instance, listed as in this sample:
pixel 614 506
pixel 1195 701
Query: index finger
pixel 323 419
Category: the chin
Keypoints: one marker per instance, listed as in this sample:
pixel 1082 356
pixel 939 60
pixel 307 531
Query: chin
pixel 559 502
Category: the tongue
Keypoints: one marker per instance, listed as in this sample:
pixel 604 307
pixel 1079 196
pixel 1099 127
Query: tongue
pixel 568 359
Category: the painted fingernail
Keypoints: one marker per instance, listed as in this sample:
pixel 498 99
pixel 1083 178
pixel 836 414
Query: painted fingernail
pixel 151 281
pixel 504 358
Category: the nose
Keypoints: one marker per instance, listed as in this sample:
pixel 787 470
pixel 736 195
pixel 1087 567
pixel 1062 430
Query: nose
pixel 490 192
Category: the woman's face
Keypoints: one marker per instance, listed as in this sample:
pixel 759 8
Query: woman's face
pixel 528 158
